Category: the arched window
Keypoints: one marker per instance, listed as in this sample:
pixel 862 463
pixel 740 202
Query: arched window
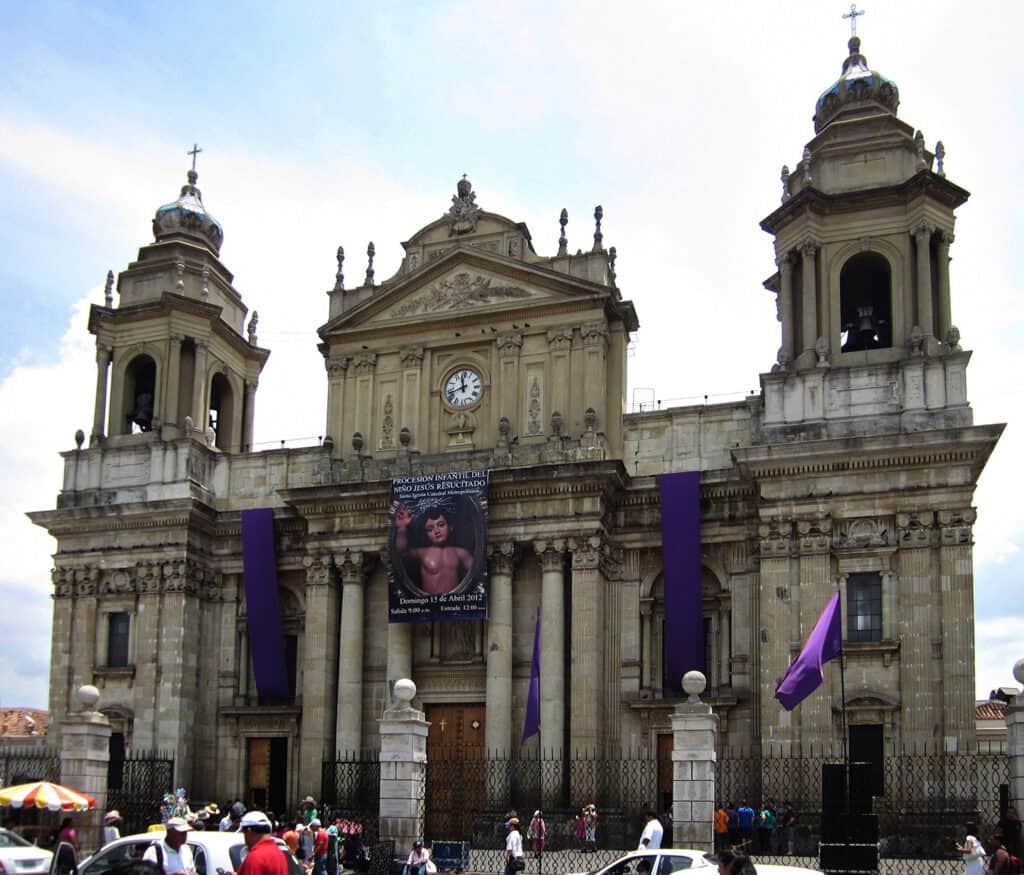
pixel 222 410
pixel 139 394
pixel 865 303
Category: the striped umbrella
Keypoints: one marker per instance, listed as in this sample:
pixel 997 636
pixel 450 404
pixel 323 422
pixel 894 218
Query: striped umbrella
pixel 43 794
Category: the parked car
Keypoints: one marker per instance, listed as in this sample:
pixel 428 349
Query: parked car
pixel 19 856
pixel 213 852
pixel 660 862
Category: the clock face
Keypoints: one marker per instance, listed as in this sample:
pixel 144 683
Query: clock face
pixel 463 387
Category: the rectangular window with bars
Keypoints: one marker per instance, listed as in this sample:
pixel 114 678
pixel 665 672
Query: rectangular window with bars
pixel 864 607
pixel 118 624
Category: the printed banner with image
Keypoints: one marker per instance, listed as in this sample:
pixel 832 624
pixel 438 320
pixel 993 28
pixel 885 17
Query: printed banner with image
pixel 437 547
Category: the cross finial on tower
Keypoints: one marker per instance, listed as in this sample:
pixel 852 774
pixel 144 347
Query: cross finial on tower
pixel 853 15
pixel 194 151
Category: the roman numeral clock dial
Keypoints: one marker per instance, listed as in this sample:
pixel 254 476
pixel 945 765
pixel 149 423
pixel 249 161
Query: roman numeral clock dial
pixel 462 388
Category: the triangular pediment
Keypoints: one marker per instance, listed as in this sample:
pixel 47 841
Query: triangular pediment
pixel 464 283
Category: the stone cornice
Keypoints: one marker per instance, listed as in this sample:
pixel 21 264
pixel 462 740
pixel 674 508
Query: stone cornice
pixel 812 201
pixel 970 446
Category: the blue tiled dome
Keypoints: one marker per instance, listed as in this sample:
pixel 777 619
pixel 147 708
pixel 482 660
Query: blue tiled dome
pixel 856 85
pixel 187 217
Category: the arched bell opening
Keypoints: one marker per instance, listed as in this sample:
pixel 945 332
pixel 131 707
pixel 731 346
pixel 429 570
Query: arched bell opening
pixel 139 395
pixel 865 296
pixel 221 415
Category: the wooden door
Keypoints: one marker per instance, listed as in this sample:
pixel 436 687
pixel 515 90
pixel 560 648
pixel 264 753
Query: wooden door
pixel 456 770
pixel 664 800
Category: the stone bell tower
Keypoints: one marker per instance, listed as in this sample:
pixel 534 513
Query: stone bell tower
pixel 862 244
pixel 173 351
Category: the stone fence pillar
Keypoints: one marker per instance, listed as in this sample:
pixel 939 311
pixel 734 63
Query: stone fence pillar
pixel 694 741
pixel 1015 739
pixel 403 769
pixel 84 756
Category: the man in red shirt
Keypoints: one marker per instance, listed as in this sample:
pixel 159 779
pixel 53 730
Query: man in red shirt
pixel 320 845
pixel 264 857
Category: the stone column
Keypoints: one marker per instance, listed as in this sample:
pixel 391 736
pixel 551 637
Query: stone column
pixel 172 388
pixel 337 367
pixel 955 568
pixel 100 410
pixel 773 633
pixel 1015 739
pixel 498 726
pixel 498 731
pixel 595 369
pixel 586 715
pixel 919 682
pixel 552 647
pixel 925 319
pixel 694 742
pixel 350 658
pixel 809 309
pixel 586 700
pixel 403 768
pixel 84 756
pixel 200 416
pixel 399 653
pixel 319 656
pixel 249 415
pixel 945 238
pixel 815 538
pixel 785 263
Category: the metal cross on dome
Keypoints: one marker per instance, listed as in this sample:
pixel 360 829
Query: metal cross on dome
pixel 194 151
pixel 853 14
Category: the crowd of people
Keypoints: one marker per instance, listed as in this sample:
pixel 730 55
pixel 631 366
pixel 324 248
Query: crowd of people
pixel 768 829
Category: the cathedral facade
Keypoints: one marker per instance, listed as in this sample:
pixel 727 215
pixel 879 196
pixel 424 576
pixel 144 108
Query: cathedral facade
pixel 854 467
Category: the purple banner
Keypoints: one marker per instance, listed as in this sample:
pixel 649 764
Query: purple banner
pixel 681 556
pixel 531 723
pixel 437 547
pixel 825 642
pixel 262 608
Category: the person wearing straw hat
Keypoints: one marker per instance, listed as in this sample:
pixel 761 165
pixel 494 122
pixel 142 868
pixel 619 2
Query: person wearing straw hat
pixel 111 826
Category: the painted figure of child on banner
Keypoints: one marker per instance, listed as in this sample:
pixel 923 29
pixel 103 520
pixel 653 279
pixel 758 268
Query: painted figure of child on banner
pixel 437 546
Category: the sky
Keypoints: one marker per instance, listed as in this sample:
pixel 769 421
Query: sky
pixel 340 123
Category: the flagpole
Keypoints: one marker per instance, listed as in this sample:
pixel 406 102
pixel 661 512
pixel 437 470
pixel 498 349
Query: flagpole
pixel 846 731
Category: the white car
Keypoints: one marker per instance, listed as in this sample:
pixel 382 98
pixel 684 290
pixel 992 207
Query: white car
pixel 214 852
pixel 20 857
pixel 660 862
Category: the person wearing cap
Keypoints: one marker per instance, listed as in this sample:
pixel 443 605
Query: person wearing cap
pixel 230 821
pixel 111 831
pixel 537 833
pixel 320 843
pixel 172 852
pixel 417 862
pixel 264 857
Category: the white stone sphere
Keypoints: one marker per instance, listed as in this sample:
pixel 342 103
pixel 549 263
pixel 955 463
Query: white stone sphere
pixel 1018 671
pixel 405 690
pixel 694 683
pixel 88 695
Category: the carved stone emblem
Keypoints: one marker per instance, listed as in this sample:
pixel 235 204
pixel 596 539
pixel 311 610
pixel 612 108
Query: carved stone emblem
pixel 463 213
pixel 460 292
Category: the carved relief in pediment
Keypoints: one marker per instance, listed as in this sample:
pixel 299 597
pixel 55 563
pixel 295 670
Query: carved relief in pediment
pixel 462 291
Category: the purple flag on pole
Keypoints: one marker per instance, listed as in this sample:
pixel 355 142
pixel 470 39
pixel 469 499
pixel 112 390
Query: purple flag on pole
pixel 531 723
pixel 262 609
pixel 682 571
pixel 804 675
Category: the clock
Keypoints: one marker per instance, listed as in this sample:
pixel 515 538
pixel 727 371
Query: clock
pixel 463 387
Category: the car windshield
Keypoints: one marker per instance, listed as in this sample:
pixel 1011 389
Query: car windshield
pixel 10 839
pixel 639 865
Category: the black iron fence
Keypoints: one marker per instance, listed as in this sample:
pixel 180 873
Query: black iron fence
pixel 926 800
pixel 350 794
pixel 136 788
pixel 20 764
